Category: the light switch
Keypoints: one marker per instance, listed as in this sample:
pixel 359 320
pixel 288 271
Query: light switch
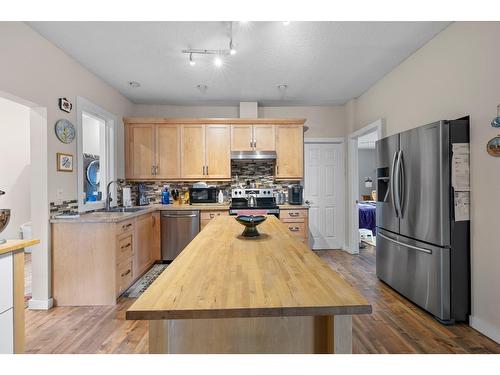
pixel 59 195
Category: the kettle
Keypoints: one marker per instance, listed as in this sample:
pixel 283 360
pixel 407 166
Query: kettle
pixel 252 200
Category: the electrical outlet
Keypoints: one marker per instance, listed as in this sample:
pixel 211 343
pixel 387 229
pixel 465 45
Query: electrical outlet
pixel 59 195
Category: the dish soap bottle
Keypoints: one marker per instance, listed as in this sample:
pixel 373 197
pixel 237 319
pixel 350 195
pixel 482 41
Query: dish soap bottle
pixel 220 198
pixel 165 195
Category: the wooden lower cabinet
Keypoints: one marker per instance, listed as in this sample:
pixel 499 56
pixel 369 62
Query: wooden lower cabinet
pixel 207 216
pixel 297 222
pixel 94 263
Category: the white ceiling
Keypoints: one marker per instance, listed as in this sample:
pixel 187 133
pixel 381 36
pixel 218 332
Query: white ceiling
pixel 323 63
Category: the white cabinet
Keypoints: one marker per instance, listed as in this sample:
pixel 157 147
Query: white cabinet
pixel 7 332
pixel 6 282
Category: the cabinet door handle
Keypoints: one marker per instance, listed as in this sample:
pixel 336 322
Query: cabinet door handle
pixel 126 226
pixel 127 245
pixel 293 214
pixel 126 273
pixel 207 170
pixel 156 169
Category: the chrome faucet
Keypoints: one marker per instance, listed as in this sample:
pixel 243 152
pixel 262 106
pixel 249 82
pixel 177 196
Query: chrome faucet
pixel 108 194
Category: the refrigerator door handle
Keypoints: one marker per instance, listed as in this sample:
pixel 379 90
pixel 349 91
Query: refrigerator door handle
pixel 393 185
pixel 427 251
pixel 402 179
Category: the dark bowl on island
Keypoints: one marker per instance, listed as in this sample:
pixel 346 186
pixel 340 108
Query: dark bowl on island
pixel 250 222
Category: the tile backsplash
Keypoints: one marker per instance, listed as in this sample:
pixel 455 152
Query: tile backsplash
pixel 63 207
pixel 260 172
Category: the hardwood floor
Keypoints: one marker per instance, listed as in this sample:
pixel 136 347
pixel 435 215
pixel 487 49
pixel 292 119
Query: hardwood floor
pixel 395 326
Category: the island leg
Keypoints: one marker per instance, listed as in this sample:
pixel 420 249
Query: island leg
pixel 158 336
pixel 342 334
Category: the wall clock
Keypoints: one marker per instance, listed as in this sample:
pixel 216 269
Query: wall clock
pixel 65 131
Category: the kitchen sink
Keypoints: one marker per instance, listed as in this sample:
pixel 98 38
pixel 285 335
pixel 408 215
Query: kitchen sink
pixel 123 209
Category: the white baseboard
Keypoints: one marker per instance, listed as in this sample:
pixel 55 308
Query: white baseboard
pixel 350 251
pixel 485 328
pixel 40 304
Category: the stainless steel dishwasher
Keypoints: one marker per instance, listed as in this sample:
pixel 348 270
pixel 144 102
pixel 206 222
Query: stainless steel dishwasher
pixel 178 228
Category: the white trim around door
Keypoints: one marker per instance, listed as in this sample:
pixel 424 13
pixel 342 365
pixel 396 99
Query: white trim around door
pixel 352 219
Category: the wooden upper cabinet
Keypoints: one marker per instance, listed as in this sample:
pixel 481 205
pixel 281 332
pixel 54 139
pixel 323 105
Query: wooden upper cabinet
pixel 289 151
pixel 218 151
pixel 193 151
pixel 264 137
pixel 253 137
pixel 168 163
pixel 241 137
pixel 140 153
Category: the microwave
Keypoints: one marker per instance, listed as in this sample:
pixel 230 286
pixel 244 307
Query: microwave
pixel 203 195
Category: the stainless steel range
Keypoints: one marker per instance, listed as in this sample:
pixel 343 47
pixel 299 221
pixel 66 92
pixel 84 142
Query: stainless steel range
pixel 253 201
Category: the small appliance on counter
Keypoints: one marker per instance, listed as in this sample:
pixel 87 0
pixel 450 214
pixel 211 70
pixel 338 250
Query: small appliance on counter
pixel 203 195
pixel 295 194
pixel 142 198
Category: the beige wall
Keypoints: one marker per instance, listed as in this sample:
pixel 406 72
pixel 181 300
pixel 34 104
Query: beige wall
pixel 323 121
pixel 455 74
pixel 34 69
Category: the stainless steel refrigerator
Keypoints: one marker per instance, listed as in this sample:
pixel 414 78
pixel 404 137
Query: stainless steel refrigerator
pixel 422 251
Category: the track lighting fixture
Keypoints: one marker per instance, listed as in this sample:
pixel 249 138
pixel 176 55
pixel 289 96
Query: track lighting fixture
pixel 218 62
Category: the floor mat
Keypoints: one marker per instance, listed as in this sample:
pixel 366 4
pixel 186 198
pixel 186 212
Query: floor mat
pixel 145 281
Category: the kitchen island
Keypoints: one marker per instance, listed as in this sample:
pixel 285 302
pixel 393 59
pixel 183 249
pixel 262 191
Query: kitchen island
pixel 229 294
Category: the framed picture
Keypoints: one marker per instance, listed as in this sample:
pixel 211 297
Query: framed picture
pixel 65 105
pixel 64 162
pixel 493 147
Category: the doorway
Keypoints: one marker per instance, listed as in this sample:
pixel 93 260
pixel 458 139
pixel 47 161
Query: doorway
pixel 35 174
pixel 324 192
pixel 362 186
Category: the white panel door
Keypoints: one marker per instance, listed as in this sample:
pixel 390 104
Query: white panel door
pixel 323 190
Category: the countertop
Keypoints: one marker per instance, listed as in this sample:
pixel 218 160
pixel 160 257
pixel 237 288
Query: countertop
pixel 115 217
pixel 13 245
pixel 220 274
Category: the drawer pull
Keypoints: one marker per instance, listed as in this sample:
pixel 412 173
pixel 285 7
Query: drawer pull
pixel 212 216
pixel 126 273
pixel 126 226
pixel 127 245
pixel 293 229
pixel 293 214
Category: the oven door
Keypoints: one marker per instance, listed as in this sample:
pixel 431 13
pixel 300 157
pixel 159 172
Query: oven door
pixel 203 195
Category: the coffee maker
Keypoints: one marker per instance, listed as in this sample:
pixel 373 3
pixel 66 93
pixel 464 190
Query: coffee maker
pixel 295 194
pixel 142 197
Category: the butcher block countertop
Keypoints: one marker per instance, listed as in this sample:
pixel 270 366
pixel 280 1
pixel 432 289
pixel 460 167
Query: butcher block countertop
pixel 13 245
pixel 220 274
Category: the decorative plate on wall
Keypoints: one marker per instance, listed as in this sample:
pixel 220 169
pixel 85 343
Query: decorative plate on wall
pixel 493 147
pixel 65 131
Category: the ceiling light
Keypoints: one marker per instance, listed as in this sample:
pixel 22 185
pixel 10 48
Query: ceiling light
pixel 191 61
pixel 282 86
pixel 134 84
pixel 203 88
pixel 218 61
pixel 286 23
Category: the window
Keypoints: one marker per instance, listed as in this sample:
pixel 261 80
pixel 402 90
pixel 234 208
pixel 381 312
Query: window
pixel 95 153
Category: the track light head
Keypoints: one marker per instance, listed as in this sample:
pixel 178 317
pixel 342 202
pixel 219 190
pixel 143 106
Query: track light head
pixel 191 61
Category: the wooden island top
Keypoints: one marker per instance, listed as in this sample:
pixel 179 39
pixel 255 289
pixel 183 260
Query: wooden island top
pixel 223 275
pixel 14 245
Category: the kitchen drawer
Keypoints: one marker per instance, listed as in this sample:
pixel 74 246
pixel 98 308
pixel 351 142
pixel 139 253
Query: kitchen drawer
pixel 125 226
pixel 7 332
pixel 6 282
pixel 209 215
pixel 125 275
pixel 297 229
pixel 293 214
pixel 125 247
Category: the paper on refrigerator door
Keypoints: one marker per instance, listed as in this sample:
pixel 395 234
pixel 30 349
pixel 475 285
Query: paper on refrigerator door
pixel 460 167
pixel 462 206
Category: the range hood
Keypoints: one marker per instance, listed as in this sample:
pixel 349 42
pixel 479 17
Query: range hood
pixel 253 155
